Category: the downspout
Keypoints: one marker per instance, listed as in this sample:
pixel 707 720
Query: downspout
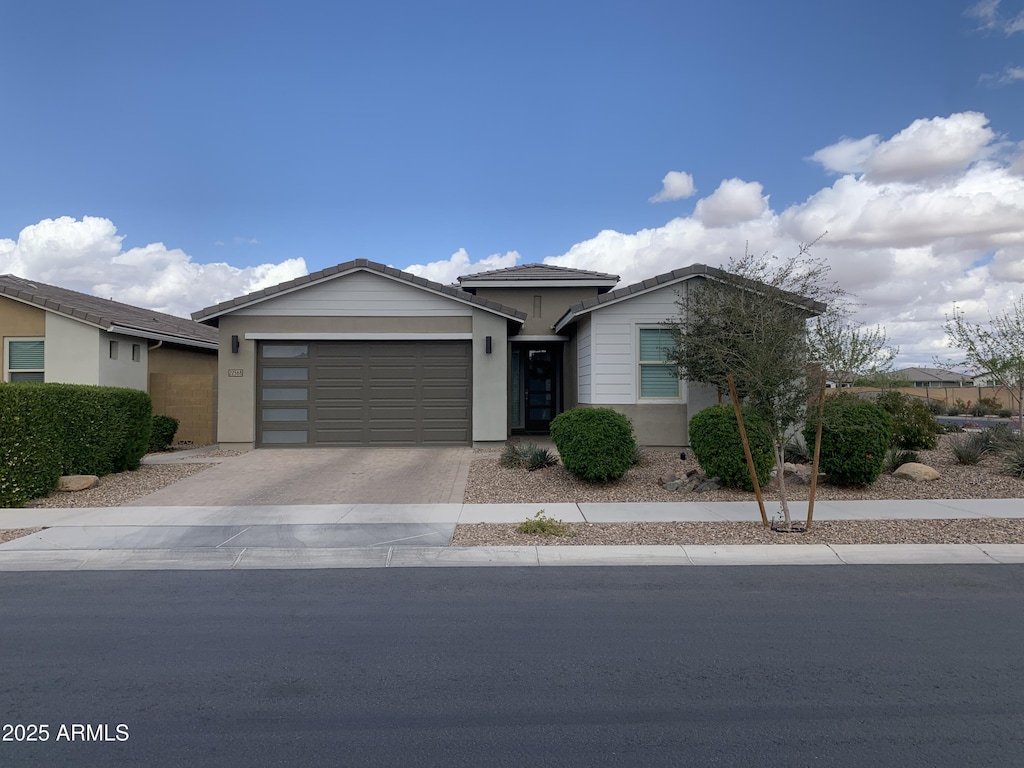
pixel 155 346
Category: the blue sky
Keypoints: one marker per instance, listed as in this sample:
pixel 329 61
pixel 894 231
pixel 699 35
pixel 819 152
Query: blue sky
pixel 182 153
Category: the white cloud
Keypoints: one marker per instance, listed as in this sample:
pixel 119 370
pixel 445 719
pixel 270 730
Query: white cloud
pixel 675 186
pixel 87 256
pixel 459 263
pixel 911 226
pixel 986 12
pixel 734 202
pixel 847 155
pixel 925 149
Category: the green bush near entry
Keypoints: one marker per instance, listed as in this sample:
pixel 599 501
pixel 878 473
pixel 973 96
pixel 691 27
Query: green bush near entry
pixel 855 439
pixel 162 435
pixel 715 439
pixel 596 444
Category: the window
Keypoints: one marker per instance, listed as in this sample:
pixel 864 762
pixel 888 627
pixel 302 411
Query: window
pixel 136 353
pixel 25 360
pixel 657 378
pixel 113 350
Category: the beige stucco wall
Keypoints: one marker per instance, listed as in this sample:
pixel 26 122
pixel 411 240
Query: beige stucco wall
pixel 490 378
pixel 19 320
pixel 553 303
pixel 655 424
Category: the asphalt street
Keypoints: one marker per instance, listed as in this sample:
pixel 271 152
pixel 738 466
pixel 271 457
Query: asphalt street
pixel 648 666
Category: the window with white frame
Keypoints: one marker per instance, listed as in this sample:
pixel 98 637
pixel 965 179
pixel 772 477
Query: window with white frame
pixel 658 378
pixel 24 360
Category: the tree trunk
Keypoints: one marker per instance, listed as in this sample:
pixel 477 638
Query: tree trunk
pixel 780 476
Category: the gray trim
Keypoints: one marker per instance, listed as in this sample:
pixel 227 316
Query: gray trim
pixel 533 274
pixel 225 307
pixel 660 281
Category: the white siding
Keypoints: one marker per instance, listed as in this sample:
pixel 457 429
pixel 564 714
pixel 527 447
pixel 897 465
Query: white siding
pixel 614 341
pixel 71 351
pixel 583 361
pixel 359 294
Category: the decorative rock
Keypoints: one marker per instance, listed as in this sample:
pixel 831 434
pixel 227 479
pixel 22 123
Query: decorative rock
pixel 710 484
pixel 671 477
pixel 916 472
pixel 673 485
pixel 73 483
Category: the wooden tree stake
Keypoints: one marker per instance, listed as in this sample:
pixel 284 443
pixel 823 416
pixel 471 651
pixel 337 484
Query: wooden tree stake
pixel 817 453
pixel 746 450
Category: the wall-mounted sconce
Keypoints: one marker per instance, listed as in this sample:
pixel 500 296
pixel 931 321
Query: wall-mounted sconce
pixel 234 345
pixel 487 345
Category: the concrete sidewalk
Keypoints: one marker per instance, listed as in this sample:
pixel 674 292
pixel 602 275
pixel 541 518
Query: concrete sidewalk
pixel 417 535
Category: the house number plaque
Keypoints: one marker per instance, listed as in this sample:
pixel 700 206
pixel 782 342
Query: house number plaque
pixel 235 373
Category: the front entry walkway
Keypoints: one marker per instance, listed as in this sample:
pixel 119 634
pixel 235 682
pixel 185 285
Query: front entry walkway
pixel 271 476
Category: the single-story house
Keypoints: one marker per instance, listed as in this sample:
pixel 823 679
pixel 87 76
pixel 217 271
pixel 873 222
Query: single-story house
pixel 58 335
pixel 365 354
pixel 932 377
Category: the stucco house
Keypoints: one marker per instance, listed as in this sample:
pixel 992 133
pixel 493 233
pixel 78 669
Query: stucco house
pixel 58 335
pixel 365 354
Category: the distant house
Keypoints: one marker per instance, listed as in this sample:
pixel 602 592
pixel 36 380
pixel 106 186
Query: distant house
pixel 365 354
pixel 54 334
pixel 932 377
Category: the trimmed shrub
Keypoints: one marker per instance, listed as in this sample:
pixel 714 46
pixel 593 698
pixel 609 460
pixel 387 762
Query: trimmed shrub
pixel 163 431
pixel 68 429
pixel 596 444
pixel 30 459
pixel 718 448
pixel 855 437
pixel 913 426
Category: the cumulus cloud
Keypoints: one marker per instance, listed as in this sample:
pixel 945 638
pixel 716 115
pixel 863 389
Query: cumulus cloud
pixel 87 256
pixel 925 149
pixel 459 263
pixel 930 217
pixel 675 186
pixel 734 202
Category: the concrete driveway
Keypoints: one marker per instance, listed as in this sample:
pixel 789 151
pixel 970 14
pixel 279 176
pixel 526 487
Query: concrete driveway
pixel 324 476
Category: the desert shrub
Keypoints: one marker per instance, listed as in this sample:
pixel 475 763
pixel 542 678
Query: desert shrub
pixel 999 437
pixel 162 433
pixel 977 410
pixel 936 407
pixel 958 408
pixel 855 436
pixel 913 425
pixel 596 444
pixel 1013 459
pixel 1004 413
pixel 796 451
pixel 718 448
pixel 969 448
pixel 896 457
pixel 544 525
pixel 989 405
pixel 529 456
pixel 952 427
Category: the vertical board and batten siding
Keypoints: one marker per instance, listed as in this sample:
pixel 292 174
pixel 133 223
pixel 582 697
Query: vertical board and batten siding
pixel 359 294
pixel 614 342
pixel 584 358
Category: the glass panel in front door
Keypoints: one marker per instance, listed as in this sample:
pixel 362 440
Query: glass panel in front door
pixel 540 389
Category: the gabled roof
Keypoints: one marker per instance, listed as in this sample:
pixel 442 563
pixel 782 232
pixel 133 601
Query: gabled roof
pixel 660 281
pixel 539 275
pixel 930 374
pixel 108 315
pixel 225 307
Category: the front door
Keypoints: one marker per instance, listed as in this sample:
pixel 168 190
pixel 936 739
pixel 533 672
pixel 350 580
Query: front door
pixel 536 386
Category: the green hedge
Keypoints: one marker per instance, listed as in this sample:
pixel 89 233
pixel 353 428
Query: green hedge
pixel 164 429
pixel 715 439
pixel 595 444
pixel 855 436
pixel 914 426
pixel 49 430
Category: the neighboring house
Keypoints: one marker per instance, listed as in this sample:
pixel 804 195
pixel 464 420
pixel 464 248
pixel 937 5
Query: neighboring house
pixel 365 354
pixel 58 335
pixel 931 377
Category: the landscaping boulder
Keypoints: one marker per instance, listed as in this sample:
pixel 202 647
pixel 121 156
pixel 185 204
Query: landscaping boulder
pixel 73 483
pixel 916 472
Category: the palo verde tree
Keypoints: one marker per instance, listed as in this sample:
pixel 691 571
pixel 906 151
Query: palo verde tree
pixel 751 321
pixel 996 350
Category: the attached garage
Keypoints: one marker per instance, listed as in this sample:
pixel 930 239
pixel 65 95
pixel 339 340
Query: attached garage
pixel 364 393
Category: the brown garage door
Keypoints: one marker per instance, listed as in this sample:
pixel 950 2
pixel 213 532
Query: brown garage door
pixel 351 393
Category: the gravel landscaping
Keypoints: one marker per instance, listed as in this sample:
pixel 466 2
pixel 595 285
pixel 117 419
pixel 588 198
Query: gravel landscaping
pixel 489 482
